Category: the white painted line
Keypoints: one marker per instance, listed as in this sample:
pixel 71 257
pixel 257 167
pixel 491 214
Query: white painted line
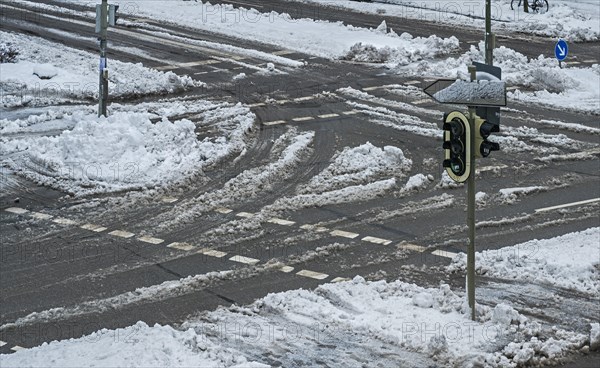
pixel 351 112
pixel 306 98
pixel 245 214
pixel 370 88
pixel 64 221
pixel 567 205
pixel 444 253
pixel 121 234
pixel 181 246
pixel 592 61
pixel 327 116
pixel 286 269
pixel 340 279
pixel 318 229
pixel 490 168
pixel 573 63
pixel 303 118
pixel 413 247
pixel 17 348
pixel 201 73
pixel 279 221
pixel 472 41
pixel 283 52
pixel 223 210
pixel 212 253
pixel 17 210
pixel 281 102
pixel 245 260
pixel 2 343
pixel 41 216
pixel 420 102
pixel 345 234
pixel 276 122
pixel 169 199
pixel 374 240
pixel 413 82
pixel 258 104
pixel 312 274
pixel 151 240
pixel 92 227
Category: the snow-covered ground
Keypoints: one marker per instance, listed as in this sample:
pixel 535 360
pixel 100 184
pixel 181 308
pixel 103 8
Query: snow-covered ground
pixel 416 326
pixel 47 73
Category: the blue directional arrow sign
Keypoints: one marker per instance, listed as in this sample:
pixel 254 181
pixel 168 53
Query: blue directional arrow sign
pixel 561 50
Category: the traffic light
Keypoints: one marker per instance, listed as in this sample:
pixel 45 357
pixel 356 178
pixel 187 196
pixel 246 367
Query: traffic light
pixel 457 146
pixel 483 129
pixel 112 15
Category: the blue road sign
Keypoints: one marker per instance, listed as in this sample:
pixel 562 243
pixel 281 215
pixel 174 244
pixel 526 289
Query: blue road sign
pixel 561 50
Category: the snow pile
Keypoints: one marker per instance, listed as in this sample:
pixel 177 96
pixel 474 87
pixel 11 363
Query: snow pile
pixel 569 261
pixel 47 73
pixel 136 346
pixel 417 182
pixel 510 195
pixel 8 53
pixel 126 151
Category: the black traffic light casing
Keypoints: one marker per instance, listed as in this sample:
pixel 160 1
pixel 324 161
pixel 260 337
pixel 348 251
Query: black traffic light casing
pixel 483 129
pixel 457 147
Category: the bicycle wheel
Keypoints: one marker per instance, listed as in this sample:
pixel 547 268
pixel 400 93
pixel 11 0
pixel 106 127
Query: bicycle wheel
pixel 541 6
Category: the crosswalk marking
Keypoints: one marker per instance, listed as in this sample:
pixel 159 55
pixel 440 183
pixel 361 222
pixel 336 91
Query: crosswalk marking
pixel 17 210
pixel 303 118
pixel 340 279
pixel 41 216
pixel 181 246
pixel 344 234
pixel 413 247
pixel 92 227
pixel 318 229
pixel 245 260
pixel 286 269
pixel 312 274
pixel 374 240
pixel 17 348
pixel 245 214
pixel 212 253
pixel 223 210
pixel 444 253
pixel 279 221
pixel 64 221
pixel 151 240
pixel 122 234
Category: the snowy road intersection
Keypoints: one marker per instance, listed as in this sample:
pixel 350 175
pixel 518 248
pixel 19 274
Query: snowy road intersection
pixel 249 160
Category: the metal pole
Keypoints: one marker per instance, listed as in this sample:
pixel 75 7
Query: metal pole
pixel 489 36
pixel 103 82
pixel 471 208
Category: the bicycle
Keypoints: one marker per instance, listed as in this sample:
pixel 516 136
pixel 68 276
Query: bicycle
pixel 537 6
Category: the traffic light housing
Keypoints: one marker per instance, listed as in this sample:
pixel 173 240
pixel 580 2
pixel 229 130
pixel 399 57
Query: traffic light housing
pixel 457 146
pixel 483 129
pixel 113 16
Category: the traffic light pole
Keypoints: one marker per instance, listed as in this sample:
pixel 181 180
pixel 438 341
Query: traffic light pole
pixel 103 82
pixel 471 208
pixel 489 36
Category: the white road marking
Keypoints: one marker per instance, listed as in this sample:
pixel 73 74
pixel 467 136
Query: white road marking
pixel 41 216
pixel 279 221
pixel 490 168
pixel 318 229
pixel 306 98
pixel 201 73
pixel 512 88
pixel 17 210
pixel 276 122
pixel 303 118
pixel 258 104
pixel 2 343
pixel 444 253
pixel 122 234
pixel 181 246
pixel 190 64
pixel 151 240
pixel 413 247
pixel 378 87
pixel 351 112
pixel 472 41
pixel 245 214
pixel 374 240
pixel 92 227
pixel 592 61
pixel 169 199
pixel 212 253
pixel 327 116
pixel 281 102
pixel 64 221
pixel 573 62
pixel 245 260
pixel 345 234
pixel 420 102
pixel 283 52
pixel 413 82
pixel 567 205
pixel 340 279
pixel 17 348
pixel 286 269
pixel 312 274
pixel 223 210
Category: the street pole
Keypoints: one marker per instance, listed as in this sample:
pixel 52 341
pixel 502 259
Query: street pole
pixel 489 36
pixel 471 207
pixel 103 82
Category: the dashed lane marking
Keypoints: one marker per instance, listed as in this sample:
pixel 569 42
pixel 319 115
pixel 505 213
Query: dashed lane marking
pixel 122 234
pixel 17 348
pixel 444 253
pixel 572 204
pixel 378 87
pixel 169 199
pixel 64 221
pixel 2 343
pixel 303 118
pixel 413 247
pixel 245 214
pixel 312 274
pixel 306 98
pixel 17 210
pixel 286 269
pixel 573 63
pixel 591 61
pixel 92 227
pixel 283 222
pixel 276 122
pixel 151 240
pixel 327 116
pixel 340 279
pixel 41 216
pixel 374 240
pixel 258 104
pixel 344 234
pixel 181 246
pixel 351 112
pixel 281 102
pixel 212 253
pixel 318 229
pixel 245 260
pixel 223 210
